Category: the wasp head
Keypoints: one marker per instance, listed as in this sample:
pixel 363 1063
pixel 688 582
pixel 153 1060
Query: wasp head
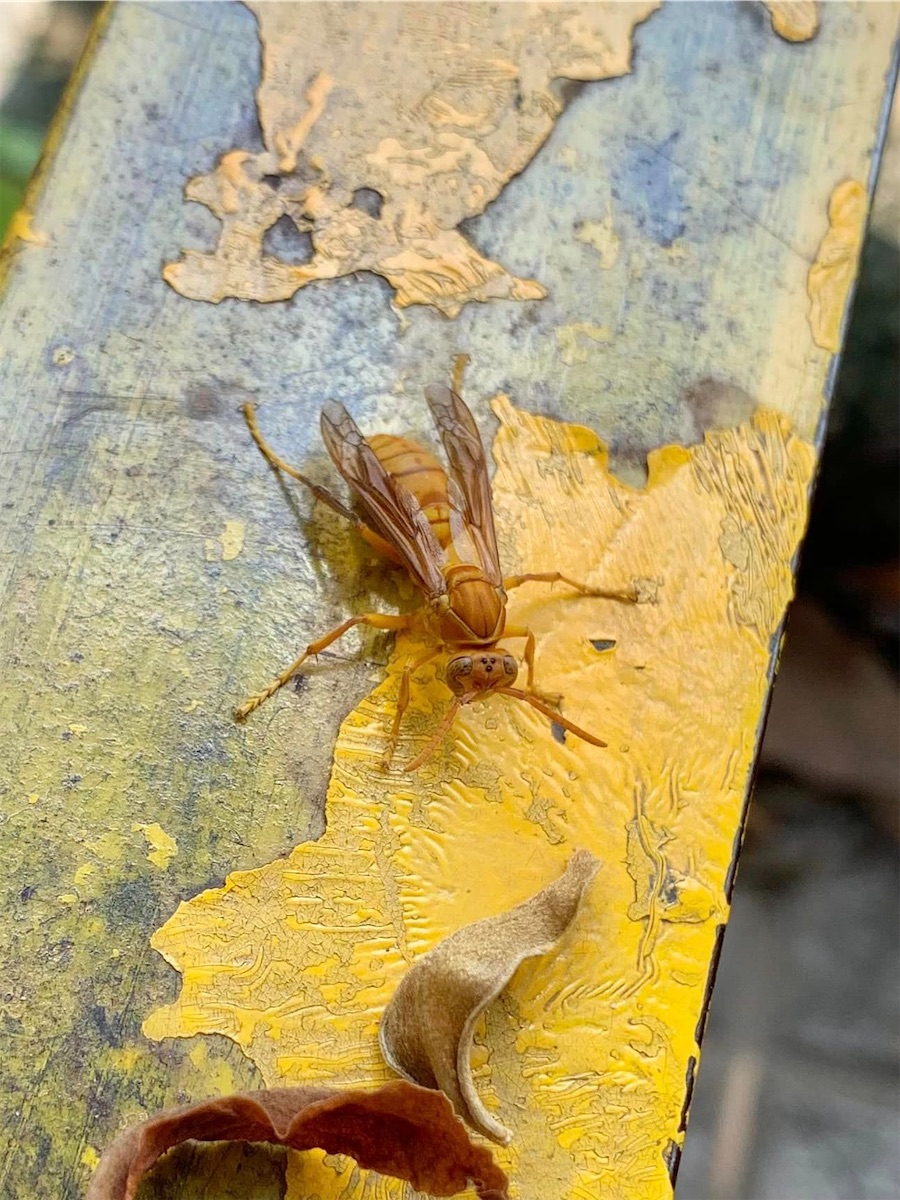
pixel 481 671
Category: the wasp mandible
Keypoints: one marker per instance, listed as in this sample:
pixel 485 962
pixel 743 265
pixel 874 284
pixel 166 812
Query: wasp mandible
pixel 438 525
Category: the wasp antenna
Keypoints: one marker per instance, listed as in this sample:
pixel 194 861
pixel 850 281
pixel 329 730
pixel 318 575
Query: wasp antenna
pixel 518 694
pixel 436 740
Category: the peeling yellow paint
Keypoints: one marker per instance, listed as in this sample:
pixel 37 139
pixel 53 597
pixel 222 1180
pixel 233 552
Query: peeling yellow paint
pixel 124 1057
pixel 163 848
pixel 831 275
pixel 439 142
pixel 228 545
pixel 82 874
pixel 33 798
pixel 794 20
pixel 68 898
pixel 20 228
pixel 295 960
pixel 78 730
pixel 90 1157
pixel 602 237
pixel 232 539
pixel 218 1074
pixel 573 340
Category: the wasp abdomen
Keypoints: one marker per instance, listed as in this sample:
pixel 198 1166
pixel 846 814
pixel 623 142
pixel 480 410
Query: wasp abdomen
pixel 420 473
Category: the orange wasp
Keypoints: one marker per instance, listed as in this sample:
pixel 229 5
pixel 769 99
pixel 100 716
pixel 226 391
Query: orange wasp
pixel 440 527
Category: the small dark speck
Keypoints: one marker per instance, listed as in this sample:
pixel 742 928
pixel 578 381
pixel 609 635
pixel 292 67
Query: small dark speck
pixel 603 643
pixel 559 734
pixel 642 667
pixel 136 469
pixel 27 892
pixel 76 656
pixel 151 112
pixel 51 521
pixel 301 683
pixel 274 181
pixel 70 781
pixel 66 735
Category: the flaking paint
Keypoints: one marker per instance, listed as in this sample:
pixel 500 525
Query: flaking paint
pixel 295 960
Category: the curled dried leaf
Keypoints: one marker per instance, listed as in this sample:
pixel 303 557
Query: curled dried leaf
pixel 400 1130
pixel 427 1029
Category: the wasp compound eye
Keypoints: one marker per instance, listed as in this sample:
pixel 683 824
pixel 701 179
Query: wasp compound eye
pixel 510 666
pixel 459 671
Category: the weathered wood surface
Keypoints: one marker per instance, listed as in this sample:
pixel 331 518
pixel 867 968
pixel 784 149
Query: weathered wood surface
pixel 692 228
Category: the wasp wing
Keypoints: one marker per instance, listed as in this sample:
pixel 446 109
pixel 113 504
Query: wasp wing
pixel 468 468
pixel 391 508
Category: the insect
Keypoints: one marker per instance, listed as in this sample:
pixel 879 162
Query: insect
pixel 439 525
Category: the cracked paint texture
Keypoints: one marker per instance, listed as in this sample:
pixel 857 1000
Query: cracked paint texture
pixel 296 960
pixel 437 143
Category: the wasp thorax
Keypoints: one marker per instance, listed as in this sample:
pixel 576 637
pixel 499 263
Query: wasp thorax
pixel 481 671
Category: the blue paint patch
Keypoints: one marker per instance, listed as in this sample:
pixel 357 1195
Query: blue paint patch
pixel 651 186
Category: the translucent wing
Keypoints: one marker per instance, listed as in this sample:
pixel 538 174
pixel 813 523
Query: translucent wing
pixel 468 468
pixel 392 510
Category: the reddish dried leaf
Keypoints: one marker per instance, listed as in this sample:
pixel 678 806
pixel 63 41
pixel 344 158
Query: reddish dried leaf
pixel 400 1130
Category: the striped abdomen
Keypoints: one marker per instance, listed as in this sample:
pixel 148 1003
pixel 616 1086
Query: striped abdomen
pixel 420 473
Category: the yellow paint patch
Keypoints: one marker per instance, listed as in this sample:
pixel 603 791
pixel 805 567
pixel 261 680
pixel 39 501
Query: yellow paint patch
pixel 218 1075
pixel 82 874
pixel 794 20
pixel 20 228
pixel 33 798
pixel 90 1157
pixel 163 848
pixel 831 275
pixel 68 898
pixel 226 547
pixel 587 1055
pixel 602 237
pixel 232 539
pixel 574 340
pixel 125 1058
pixel 78 730
pixel 438 143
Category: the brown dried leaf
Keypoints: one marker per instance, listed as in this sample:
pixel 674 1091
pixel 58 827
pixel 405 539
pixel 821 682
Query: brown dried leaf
pixel 426 1031
pixel 400 1130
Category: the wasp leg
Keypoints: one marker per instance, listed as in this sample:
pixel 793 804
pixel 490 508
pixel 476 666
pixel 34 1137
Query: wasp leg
pixel 374 620
pixel 277 463
pixel 628 596
pixel 403 702
pixel 554 717
pixel 459 369
pixel 439 734
pixel 552 698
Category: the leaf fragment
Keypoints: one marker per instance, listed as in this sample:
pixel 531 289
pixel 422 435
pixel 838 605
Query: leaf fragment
pixel 427 1029
pixel 400 1130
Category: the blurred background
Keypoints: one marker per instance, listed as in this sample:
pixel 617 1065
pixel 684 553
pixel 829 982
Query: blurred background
pixel 798 1096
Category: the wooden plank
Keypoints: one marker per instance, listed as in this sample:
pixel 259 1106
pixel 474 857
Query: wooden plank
pixel 152 574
